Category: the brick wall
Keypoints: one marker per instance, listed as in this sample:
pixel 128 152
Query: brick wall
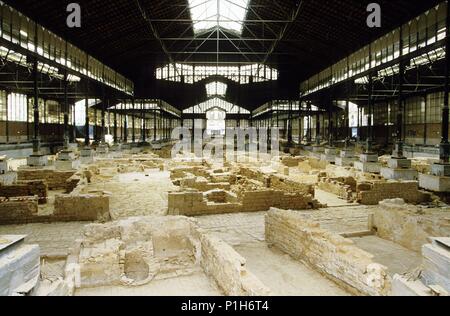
pixel 56 180
pixel 228 269
pixel 371 193
pixel 342 187
pixel 285 184
pixel 87 207
pixel 17 209
pixel 329 253
pixel 194 203
pixel 26 188
pixel 409 225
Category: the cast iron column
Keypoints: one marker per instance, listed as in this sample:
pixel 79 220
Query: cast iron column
pixel 330 124
pixel 154 126
pixel 125 129
pixel 86 122
pixel 318 128
pixel 347 122
pixel 398 152
pixel 36 136
pixel 66 113
pixel 370 115
pixel 115 127
pixel 133 133
pixel 444 152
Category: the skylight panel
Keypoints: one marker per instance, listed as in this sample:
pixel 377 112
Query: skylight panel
pixel 226 14
pixel 216 88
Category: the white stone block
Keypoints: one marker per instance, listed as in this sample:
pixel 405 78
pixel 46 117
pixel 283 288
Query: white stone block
pixel 86 153
pixel 37 161
pixel 328 158
pixel 67 165
pixel 434 183
pixel 403 287
pixel 442 170
pixel 368 158
pixel 436 263
pixel 330 151
pixel 347 154
pixel 3 165
pixel 73 146
pixel 368 167
pixel 345 162
pixel 399 174
pixel 399 163
pixel 66 155
pixel 19 265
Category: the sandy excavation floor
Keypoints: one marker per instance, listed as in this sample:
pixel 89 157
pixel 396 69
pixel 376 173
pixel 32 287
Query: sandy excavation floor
pixel 282 274
pixel 396 258
pixel 137 194
pixel 54 239
pixel 197 284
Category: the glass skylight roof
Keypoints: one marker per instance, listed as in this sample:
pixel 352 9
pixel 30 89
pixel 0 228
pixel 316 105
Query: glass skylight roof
pixel 216 88
pixel 216 103
pixel 226 14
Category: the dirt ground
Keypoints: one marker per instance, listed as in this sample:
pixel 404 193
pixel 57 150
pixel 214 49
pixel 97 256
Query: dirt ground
pixel 137 194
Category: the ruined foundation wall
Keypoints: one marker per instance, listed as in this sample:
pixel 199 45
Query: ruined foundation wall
pixel 285 184
pixel 221 262
pixel 87 207
pixel 342 187
pixel 202 184
pixel 292 162
pixel 195 204
pixel 17 209
pixel 258 201
pixel 408 225
pixel 26 188
pixel 136 251
pixel 327 252
pixel 371 193
pixel 56 180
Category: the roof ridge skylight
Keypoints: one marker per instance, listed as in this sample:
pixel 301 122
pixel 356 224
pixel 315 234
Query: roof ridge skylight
pixel 225 14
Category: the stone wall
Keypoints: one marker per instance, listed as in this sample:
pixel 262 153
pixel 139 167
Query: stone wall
pixel 283 183
pixel 67 208
pixel 222 263
pixel 135 251
pixel 84 207
pixel 194 203
pixel 342 187
pixel 19 269
pixel 371 193
pixel 56 180
pixel 408 225
pixel 263 200
pixel 277 182
pixel 26 188
pixel 17 209
pixel 201 184
pixel 328 253
pixel 312 164
pixel 292 162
